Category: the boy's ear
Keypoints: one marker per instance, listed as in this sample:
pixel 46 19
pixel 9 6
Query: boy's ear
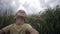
pixel 15 18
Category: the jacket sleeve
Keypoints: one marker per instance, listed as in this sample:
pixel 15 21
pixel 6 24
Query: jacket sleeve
pixel 7 28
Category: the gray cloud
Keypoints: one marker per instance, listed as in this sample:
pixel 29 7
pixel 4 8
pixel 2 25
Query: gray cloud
pixel 9 5
pixel 49 3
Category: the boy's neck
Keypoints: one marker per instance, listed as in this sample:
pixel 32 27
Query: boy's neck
pixel 21 23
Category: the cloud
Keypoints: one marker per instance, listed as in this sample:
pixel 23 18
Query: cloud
pixel 30 6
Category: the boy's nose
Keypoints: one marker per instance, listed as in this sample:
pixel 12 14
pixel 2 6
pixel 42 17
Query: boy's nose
pixel 21 15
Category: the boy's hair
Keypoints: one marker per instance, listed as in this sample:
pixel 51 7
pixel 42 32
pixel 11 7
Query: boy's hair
pixel 20 11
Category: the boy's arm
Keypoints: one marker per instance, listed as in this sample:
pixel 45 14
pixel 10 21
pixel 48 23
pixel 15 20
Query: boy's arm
pixel 32 30
pixel 5 29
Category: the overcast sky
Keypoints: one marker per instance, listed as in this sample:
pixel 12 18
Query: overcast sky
pixel 30 6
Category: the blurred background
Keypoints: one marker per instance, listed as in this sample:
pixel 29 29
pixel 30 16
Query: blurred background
pixel 43 15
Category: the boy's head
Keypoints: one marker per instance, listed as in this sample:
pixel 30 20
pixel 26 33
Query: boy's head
pixel 20 16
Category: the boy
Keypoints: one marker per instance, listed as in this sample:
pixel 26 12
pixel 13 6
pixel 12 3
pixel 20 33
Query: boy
pixel 20 27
